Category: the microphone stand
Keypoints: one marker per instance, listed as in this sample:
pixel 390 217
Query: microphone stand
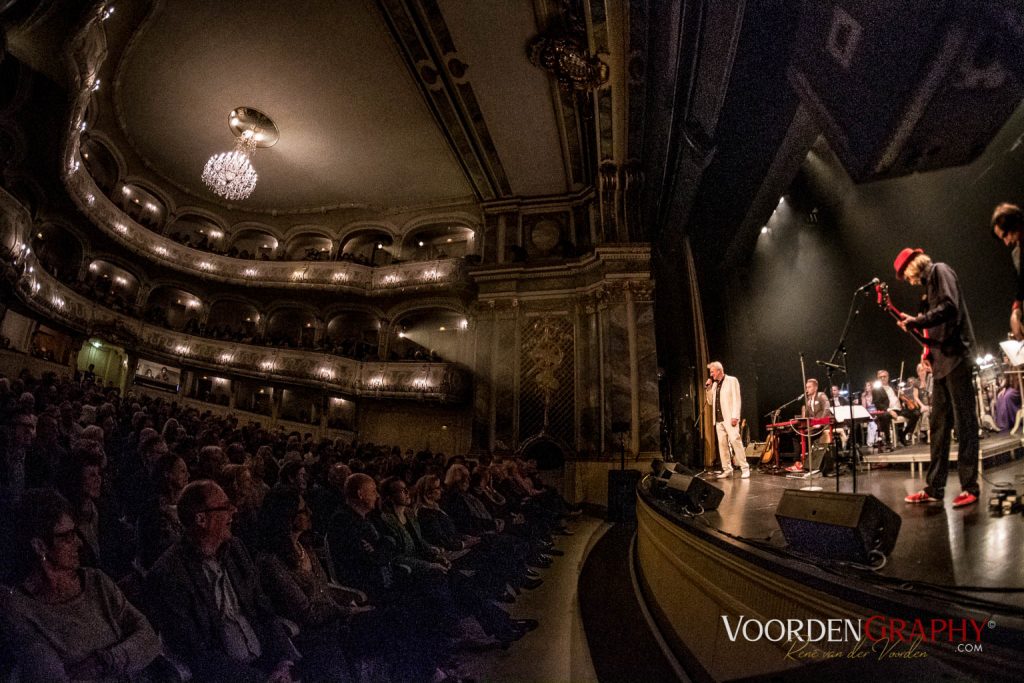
pixel 773 417
pixel 852 452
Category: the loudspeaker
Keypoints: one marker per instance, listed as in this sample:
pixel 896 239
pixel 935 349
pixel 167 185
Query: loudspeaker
pixel 693 492
pixel 838 526
pixel 620 426
pixel 911 86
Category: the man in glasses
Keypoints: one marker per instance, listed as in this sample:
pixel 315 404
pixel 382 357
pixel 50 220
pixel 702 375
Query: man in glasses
pixel 208 601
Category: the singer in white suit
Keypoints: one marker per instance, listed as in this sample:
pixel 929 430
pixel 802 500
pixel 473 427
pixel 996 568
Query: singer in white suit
pixel 722 392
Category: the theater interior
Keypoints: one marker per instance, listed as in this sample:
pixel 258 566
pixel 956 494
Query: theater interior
pixel 415 237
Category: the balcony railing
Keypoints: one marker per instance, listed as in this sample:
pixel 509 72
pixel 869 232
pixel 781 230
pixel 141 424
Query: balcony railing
pixel 88 51
pixel 426 381
pixel 411 276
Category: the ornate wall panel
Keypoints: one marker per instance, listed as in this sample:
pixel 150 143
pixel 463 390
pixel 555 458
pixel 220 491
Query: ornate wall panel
pixel 504 375
pixel 647 356
pixel 546 379
pixel 616 372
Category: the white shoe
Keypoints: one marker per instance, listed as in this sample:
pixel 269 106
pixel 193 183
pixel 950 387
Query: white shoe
pixel 746 474
pixel 724 475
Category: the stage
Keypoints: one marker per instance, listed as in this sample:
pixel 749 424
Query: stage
pixel 936 544
pixel 701 573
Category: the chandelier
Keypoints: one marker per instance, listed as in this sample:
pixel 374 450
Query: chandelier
pixel 230 174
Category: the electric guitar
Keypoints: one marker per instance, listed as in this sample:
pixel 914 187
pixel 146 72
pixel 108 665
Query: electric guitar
pixel 883 300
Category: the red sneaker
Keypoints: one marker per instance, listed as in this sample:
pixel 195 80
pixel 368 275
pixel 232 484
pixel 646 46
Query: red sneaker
pixel 796 467
pixel 964 499
pixel 920 497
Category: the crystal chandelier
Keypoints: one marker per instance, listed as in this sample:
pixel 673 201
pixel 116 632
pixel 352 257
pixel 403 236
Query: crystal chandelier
pixel 231 174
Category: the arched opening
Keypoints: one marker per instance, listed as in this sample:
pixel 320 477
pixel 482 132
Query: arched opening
pixel 111 285
pixel 174 308
pixel 253 243
pixel 59 252
pixel 438 241
pixel 309 246
pixel 197 232
pixel 291 328
pixel 429 335
pixel 101 165
pixel 371 247
pixel 142 206
pixel 234 320
pixel 353 334
pixel 547 453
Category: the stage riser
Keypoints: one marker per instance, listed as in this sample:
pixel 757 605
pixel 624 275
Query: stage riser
pixel 689 583
pixel 692 584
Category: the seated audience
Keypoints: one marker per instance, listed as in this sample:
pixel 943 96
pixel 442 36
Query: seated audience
pixel 63 621
pixel 206 598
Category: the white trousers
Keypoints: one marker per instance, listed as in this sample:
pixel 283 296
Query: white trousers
pixel 730 436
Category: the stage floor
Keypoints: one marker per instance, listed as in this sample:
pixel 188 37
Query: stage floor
pixel 936 544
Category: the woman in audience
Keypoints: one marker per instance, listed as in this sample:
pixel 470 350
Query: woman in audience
pixel 468 595
pixel 159 527
pixel 503 556
pixel 65 622
pixel 237 482
pixel 296 584
pixel 108 542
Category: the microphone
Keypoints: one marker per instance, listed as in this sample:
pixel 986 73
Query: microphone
pixel 826 364
pixel 868 285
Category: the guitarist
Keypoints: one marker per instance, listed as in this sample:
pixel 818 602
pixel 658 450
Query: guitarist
pixel 1007 223
pixel 951 337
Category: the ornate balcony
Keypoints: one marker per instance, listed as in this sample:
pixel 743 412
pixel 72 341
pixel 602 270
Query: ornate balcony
pixel 444 382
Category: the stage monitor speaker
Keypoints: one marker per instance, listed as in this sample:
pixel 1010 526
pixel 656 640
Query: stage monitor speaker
pixel 912 86
pixel 693 492
pixel 837 526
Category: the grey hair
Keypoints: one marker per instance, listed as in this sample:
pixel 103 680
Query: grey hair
pixel 715 365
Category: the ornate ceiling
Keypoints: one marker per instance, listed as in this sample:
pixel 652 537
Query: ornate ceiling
pixel 383 104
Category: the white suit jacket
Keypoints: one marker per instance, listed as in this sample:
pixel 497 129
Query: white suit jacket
pixel 728 396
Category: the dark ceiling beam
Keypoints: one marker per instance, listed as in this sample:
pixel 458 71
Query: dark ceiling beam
pixel 425 44
pixel 689 60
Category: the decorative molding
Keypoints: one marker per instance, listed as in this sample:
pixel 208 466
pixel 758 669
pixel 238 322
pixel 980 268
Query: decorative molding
pixel 424 42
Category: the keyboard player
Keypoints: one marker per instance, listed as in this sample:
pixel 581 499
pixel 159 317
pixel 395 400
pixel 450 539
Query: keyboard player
pixel 815 406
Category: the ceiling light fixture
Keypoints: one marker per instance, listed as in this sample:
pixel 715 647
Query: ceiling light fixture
pixel 231 174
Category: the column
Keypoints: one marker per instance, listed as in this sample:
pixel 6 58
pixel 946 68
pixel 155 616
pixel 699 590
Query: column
pixel 500 245
pixel 492 400
pixel 634 373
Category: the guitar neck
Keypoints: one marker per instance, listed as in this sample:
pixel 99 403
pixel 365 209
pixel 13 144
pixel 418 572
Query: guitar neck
pixel 897 315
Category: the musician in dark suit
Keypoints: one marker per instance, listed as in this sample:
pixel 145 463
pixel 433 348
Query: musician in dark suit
pixel 885 399
pixel 952 336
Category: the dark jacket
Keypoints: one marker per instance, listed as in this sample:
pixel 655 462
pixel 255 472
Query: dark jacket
pixel 361 556
pixel 950 332
pixel 184 608
pixel 439 529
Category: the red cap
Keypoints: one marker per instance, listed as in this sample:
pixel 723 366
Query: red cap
pixel 904 259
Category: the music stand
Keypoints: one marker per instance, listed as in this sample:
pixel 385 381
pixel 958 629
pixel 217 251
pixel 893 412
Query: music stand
pixel 1014 350
pixel 852 413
